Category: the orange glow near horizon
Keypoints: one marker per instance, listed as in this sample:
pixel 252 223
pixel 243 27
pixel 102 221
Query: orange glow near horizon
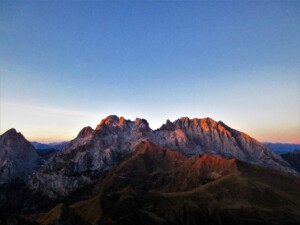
pixel 260 135
pixel 235 63
pixel 51 138
pixel 55 125
pixel 291 136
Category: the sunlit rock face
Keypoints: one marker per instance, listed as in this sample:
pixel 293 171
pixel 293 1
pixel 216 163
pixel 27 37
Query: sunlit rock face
pixel 201 136
pixel 91 152
pixel 18 158
pixel 95 151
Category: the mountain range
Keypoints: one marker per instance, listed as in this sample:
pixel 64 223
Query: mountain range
pixel 282 148
pixel 189 171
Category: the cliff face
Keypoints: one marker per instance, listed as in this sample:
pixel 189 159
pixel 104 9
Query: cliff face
pixel 95 151
pixel 90 153
pixel 201 136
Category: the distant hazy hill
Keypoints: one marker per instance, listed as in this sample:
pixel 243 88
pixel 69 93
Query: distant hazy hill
pixel 281 148
pixel 55 145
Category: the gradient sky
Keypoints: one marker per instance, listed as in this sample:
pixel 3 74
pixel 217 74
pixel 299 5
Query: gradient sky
pixel 68 64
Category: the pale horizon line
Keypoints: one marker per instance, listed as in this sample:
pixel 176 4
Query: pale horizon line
pixel 51 111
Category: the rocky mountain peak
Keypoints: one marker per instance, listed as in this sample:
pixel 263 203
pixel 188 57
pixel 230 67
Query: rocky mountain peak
pixel 12 138
pixel 141 123
pixel 184 118
pixel 11 133
pixel 122 121
pixel 86 131
pixel 113 121
pixel 206 124
pixel 183 121
pixel 168 126
pixel 110 120
pixel 18 157
pixel 186 123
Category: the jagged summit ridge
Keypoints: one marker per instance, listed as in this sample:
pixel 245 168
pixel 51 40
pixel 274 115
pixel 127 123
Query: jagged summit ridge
pixel 11 134
pixel 186 135
pixel 111 120
pixel 201 136
pixel 94 151
pixel 185 122
pixel 86 131
pixel 114 121
pixel 10 131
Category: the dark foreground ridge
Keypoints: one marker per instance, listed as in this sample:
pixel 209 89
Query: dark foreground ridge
pixel 160 186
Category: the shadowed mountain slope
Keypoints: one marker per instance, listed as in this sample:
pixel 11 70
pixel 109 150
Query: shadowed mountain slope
pixel 156 185
pixel 293 158
pixel 18 158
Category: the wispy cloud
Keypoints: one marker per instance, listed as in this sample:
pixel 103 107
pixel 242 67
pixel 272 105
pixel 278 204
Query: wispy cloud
pixel 46 111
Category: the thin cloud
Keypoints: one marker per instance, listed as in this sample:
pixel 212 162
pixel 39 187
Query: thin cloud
pixel 46 111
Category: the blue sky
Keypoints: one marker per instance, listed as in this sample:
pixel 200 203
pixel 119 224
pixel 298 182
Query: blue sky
pixel 68 64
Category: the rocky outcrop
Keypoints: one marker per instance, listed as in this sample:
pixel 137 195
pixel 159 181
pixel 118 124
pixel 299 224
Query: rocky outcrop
pixel 83 137
pixel 95 151
pixel 201 136
pixel 90 153
pixel 18 158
